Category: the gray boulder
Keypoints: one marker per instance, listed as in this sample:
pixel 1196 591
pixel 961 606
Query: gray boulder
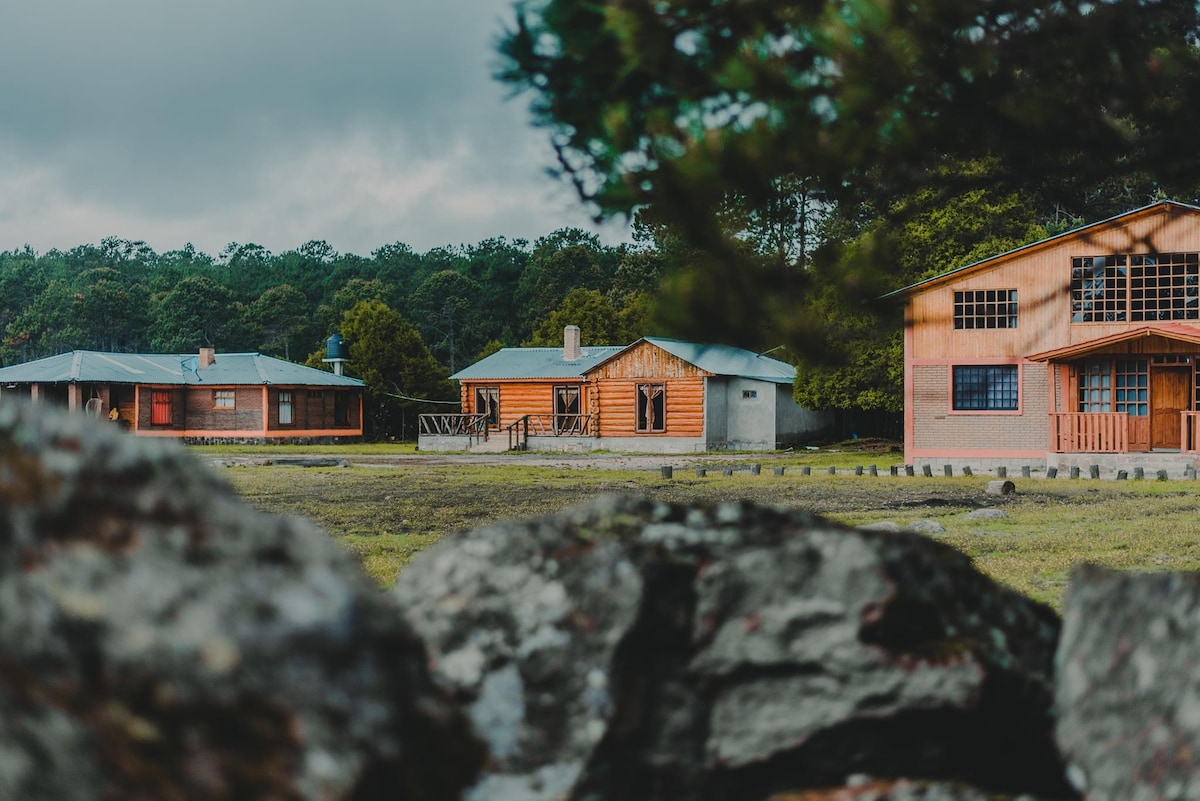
pixel 636 650
pixel 161 640
pixel 1128 687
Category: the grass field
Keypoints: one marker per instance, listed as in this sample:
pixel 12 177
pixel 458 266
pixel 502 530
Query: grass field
pixel 386 514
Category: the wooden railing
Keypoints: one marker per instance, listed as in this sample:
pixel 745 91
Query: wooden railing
pixel 518 434
pixel 1189 432
pixel 1089 432
pixel 547 425
pixel 454 425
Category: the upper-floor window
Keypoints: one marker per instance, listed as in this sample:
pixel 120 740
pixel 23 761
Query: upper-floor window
pixel 223 399
pixel 1135 288
pixel 1164 286
pixel 987 387
pixel 985 308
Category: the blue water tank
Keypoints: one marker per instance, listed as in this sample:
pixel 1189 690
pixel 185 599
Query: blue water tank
pixel 335 348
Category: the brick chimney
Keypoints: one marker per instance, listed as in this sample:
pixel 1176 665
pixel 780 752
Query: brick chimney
pixel 571 351
pixel 207 356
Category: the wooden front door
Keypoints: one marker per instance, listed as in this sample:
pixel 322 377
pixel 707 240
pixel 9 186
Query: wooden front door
pixel 1170 393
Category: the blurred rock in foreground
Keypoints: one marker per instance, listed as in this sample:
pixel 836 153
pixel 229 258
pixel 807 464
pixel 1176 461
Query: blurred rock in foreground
pixel 1129 685
pixel 631 650
pixel 159 640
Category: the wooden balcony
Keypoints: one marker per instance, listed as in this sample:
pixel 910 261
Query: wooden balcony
pixel 1091 432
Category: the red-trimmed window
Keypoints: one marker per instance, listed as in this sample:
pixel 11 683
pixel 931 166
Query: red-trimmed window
pixel 985 387
pixel 160 407
pixel 224 399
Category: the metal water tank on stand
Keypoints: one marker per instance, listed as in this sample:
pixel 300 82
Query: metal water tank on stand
pixel 336 353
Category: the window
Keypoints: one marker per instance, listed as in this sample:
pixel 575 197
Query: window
pixel 749 394
pixel 1139 288
pixel 989 388
pixel 341 408
pixel 1132 385
pixel 1164 286
pixel 1098 289
pixel 985 308
pixel 487 401
pixel 223 399
pixel 1095 387
pixel 160 407
pixel 651 407
pixel 285 408
pixel 567 419
pixel 1120 386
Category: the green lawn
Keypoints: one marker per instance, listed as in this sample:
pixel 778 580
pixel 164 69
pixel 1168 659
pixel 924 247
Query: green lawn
pixel 387 514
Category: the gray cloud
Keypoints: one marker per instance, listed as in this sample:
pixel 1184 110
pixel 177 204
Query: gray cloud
pixel 362 122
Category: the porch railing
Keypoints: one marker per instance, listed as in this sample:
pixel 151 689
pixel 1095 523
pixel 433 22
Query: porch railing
pixel 1189 432
pixel 454 425
pixel 547 425
pixel 1089 432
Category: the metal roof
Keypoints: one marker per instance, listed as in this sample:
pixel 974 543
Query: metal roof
pixel 230 369
pixel 514 363
pixel 535 363
pixel 727 360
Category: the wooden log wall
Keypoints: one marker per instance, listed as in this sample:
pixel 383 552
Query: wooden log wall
pixel 615 398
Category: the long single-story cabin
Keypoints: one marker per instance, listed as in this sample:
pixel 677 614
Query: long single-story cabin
pixel 203 397
pixel 657 395
pixel 1077 350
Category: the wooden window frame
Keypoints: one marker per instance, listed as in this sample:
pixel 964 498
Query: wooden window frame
pixel 162 405
pixel 220 395
pixel 487 396
pixel 290 403
pixel 976 309
pixel 650 408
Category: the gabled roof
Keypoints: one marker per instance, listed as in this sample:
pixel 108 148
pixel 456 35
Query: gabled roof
pixel 726 360
pixel 1173 331
pixel 1162 205
pixel 516 363
pixel 229 369
pixel 535 363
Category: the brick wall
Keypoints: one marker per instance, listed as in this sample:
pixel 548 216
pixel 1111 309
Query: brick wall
pixel 935 428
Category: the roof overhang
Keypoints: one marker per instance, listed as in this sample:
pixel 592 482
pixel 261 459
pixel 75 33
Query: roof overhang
pixel 1169 331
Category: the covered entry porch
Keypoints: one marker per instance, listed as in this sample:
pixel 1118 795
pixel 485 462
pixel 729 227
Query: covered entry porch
pixel 1131 392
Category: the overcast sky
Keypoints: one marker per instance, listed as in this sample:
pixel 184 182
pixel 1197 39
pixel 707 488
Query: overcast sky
pixel 360 122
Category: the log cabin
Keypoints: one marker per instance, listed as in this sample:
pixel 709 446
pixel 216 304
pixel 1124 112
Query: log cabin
pixel 198 398
pixel 657 395
pixel 1079 349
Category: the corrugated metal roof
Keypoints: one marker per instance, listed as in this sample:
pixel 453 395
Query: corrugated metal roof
pixel 513 363
pixel 534 363
pixel 727 360
pixel 232 369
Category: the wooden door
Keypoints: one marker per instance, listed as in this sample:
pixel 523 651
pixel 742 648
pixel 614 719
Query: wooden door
pixel 1170 393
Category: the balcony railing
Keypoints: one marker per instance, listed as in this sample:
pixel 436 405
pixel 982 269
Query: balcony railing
pixel 1089 432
